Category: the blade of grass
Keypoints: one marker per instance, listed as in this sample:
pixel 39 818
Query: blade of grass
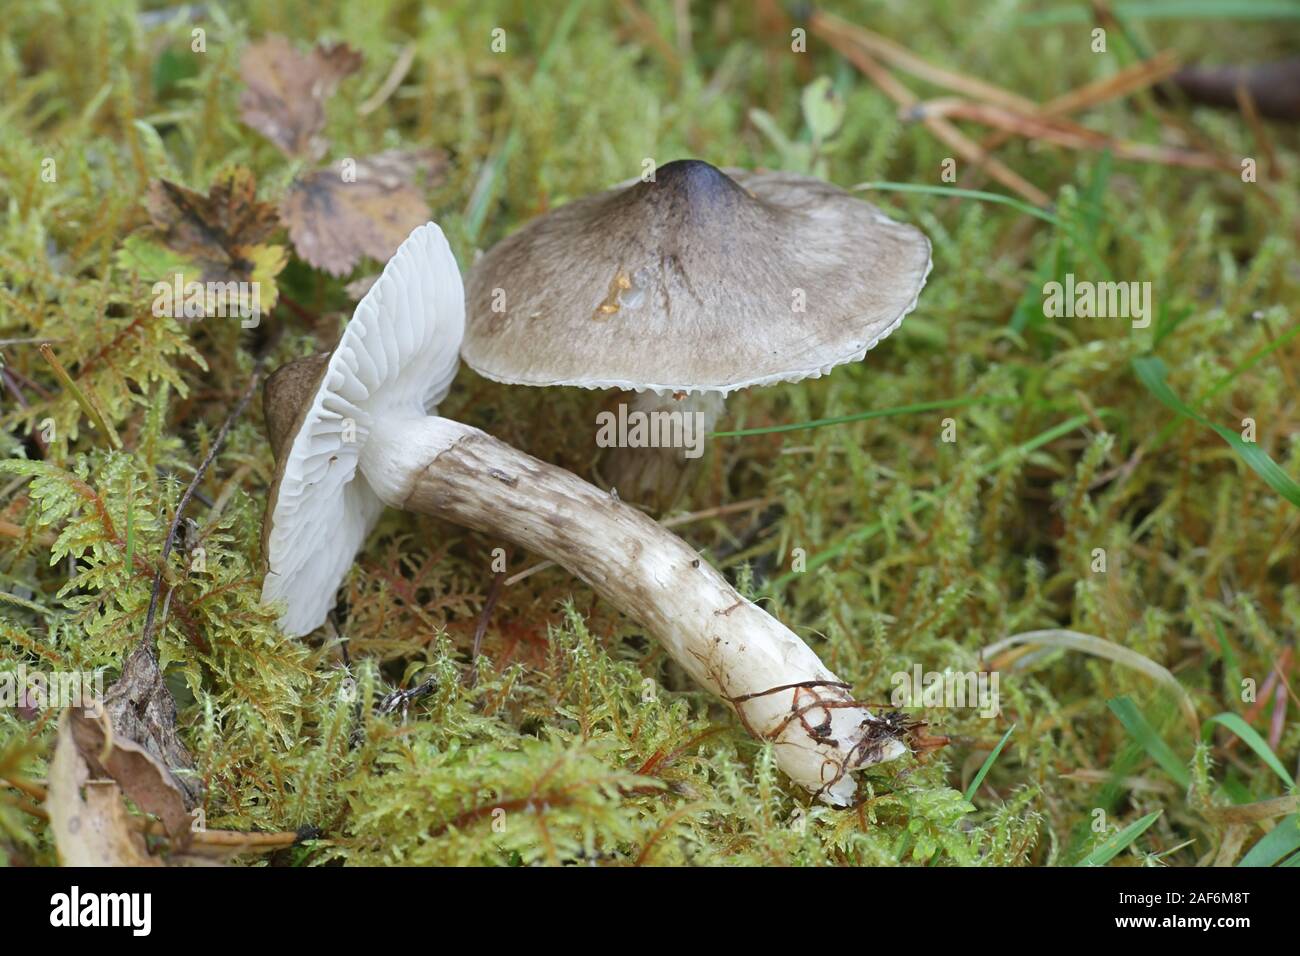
pixel 1276 844
pixel 1141 730
pixel 1165 10
pixel 1253 740
pixel 875 413
pixel 1167 322
pixel 1232 671
pixel 485 188
pixel 987 765
pixel 1151 372
pixel 1109 849
pixel 1093 207
pixel 1228 378
pixel 1251 361
pixel 1109 650
pixel 1019 204
pixel 88 406
pixel 1029 310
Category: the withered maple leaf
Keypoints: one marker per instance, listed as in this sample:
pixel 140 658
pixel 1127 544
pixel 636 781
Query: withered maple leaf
pixel 365 207
pixel 224 233
pixel 287 90
pixel 211 227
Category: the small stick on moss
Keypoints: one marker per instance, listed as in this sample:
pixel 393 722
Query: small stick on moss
pixel 232 839
pixel 83 398
pixel 190 491
pixel 392 82
pixel 18 803
pixel 299 310
pixel 494 592
pixel 841 36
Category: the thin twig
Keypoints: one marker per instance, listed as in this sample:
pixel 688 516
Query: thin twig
pixel 33 789
pixel 147 638
pixel 941 128
pixel 904 59
pixel 299 310
pixel 228 839
pixel 1061 132
pixel 1128 81
pixel 85 398
pixel 26 382
pixel 391 83
pixel 494 592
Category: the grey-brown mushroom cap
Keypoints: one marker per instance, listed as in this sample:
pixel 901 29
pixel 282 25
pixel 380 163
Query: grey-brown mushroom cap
pixel 702 280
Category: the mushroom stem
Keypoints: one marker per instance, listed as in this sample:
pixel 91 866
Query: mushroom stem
pixel 665 436
pixel 775 683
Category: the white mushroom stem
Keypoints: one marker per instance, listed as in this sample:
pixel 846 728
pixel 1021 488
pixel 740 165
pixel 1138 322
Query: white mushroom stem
pixel 666 436
pixel 705 408
pixel 771 679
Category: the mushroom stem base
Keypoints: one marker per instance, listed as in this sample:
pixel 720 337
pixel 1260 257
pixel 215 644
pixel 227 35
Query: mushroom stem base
pixel 772 680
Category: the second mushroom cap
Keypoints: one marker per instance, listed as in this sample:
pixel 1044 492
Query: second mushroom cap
pixel 699 280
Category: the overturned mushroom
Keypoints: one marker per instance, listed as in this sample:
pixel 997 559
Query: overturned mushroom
pixel 687 287
pixel 352 433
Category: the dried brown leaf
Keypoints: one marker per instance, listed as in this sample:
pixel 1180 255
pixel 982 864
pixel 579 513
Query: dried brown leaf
pixel 89 820
pixel 141 775
pixel 222 233
pixel 142 711
pixel 364 207
pixel 214 227
pixel 287 90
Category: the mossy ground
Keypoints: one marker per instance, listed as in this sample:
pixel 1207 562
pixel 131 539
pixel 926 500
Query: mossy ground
pixel 580 741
